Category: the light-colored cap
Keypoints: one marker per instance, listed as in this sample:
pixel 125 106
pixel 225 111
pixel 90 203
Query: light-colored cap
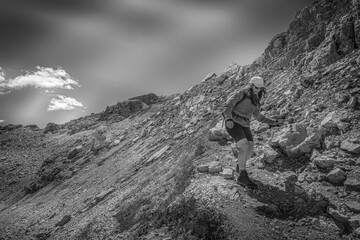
pixel 257 81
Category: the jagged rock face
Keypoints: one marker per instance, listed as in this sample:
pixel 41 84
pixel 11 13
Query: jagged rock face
pixel 320 35
pixel 148 99
pixel 123 109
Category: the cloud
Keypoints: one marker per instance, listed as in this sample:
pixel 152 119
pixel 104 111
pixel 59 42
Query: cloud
pixel 2 76
pixel 61 102
pixel 47 78
pixel 1 121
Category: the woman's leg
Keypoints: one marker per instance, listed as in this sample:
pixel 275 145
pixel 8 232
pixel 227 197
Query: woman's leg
pixel 243 178
pixel 250 150
pixel 243 148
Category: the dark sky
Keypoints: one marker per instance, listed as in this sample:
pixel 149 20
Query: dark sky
pixel 62 59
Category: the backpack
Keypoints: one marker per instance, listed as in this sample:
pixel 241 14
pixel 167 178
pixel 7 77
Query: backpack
pixel 222 113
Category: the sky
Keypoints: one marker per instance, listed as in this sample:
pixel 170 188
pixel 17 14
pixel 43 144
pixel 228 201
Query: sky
pixel 63 59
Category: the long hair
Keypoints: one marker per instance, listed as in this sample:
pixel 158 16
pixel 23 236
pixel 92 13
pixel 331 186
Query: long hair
pixel 255 98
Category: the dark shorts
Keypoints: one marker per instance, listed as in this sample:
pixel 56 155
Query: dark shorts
pixel 239 132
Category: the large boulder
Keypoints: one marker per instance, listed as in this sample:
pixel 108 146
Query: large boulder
pixel 305 147
pixel 289 137
pixel 295 142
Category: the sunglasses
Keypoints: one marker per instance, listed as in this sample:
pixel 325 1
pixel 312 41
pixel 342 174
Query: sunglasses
pixel 258 87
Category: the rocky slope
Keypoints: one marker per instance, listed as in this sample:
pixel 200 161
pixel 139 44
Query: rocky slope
pixel 163 168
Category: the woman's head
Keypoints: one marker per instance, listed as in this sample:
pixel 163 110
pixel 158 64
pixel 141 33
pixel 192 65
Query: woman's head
pixel 256 89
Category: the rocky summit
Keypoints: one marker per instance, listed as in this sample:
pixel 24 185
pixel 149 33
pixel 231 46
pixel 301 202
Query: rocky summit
pixel 163 167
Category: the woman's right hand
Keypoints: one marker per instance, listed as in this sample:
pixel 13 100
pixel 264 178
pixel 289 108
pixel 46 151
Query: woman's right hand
pixel 229 124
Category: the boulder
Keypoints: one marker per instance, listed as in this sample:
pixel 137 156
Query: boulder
pixel 336 176
pixel 291 136
pixel 311 142
pixel 218 133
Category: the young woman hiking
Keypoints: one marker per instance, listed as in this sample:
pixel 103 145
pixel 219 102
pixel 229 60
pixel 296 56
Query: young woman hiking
pixel 240 106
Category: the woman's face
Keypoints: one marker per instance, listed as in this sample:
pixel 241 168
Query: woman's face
pixel 255 89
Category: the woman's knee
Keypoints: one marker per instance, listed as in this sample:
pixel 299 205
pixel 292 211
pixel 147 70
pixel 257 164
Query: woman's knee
pixel 243 145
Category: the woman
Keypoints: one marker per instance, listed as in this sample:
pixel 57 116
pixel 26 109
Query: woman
pixel 239 108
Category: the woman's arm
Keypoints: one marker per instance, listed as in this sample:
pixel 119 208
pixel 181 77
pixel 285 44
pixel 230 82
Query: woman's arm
pixel 231 102
pixel 262 118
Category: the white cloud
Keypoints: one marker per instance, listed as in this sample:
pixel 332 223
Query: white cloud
pixel 2 76
pixel 1 121
pixel 61 102
pixel 42 78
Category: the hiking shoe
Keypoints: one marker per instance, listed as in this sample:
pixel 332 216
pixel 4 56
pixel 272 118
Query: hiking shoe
pixel 245 181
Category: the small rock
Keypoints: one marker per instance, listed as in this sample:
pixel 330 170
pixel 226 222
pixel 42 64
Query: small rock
pixel 319 206
pixel 227 173
pixel 74 152
pixel 315 153
pixel 350 147
pixel 336 176
pixel 203 168
pixel 328 121
pixel 215 167
pixel 63 221
pixel 355 221
pixel 270 155
pixel 352 182
pixel 158 154
pixel 103 194
pixel 353 206
pixel 178 135
pixel 338 216
pixel 324 162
